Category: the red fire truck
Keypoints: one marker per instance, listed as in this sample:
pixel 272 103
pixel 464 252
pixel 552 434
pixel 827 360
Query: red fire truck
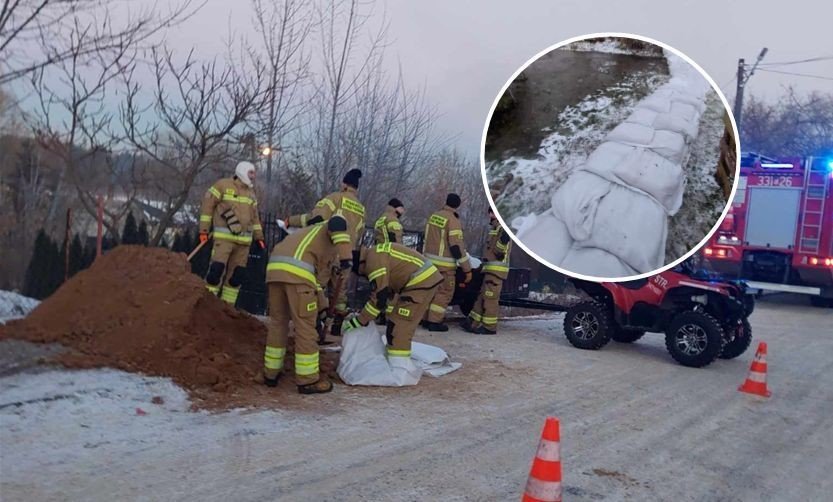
pixel 778 234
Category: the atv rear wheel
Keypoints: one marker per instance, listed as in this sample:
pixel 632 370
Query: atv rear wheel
pixel 623 335
pixel 587 325
pixel 694 339
pixel 742 338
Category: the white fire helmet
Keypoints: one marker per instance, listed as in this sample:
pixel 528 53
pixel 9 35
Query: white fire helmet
pixel 242 172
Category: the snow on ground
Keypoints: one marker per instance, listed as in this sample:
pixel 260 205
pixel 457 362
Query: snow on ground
pixel 14 305
pixel 577 131
pixel 610 46
pixel 703 201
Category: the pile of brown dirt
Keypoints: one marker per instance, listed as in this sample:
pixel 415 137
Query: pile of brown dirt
pixel 142 310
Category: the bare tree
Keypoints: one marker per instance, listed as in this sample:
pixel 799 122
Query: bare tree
pixel 283 29
pixel 35 34
pixel 794 125
pixel 196 110
pixel 73 122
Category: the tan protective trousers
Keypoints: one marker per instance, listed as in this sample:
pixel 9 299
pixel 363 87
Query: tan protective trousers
pixel 403 319
pixel 233 256
pixel 297 303
pixel 327 277
pixel 486 307
pixel 445 291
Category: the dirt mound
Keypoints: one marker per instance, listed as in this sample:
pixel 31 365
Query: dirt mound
pixel 142 310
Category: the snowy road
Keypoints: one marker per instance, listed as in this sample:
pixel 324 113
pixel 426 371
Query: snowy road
pixel 635 426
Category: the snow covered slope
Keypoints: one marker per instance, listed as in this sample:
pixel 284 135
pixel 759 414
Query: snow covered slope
pixel 13 305
pixel 610 218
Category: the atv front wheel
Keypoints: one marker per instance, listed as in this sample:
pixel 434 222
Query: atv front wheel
pixel 741 339
pixel 587 325
pixel 694 339
pixel 623 335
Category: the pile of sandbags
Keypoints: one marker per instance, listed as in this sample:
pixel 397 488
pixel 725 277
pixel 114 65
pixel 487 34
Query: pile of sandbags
pixel 610 217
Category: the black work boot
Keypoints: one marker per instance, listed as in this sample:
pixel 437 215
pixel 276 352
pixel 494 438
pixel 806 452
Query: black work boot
pixel 271 382
pixel 483 330
pixel 436 326
pixel 322 386
pixel 466 325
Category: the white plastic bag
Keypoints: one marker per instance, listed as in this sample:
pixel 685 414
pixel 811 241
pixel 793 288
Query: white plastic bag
pixel 363 361
pixel 548 238
pixel 575 202
pixel 596 262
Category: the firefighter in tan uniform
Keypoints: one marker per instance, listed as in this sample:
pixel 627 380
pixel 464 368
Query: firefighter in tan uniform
pixel 345 203
pixel 445 248
pixel 396 271
pixel 387 227
pixel 482 319
pixel 231 207
pixel 293 275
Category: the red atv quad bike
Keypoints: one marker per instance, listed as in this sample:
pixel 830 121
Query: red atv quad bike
pixel 702 319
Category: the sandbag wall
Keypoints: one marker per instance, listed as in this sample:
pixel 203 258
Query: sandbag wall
pixel 610 217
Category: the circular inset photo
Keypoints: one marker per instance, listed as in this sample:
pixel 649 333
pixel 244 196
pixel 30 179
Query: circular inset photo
pixel 610 157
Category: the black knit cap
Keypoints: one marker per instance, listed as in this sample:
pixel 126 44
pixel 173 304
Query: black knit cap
pixel 352 177
pixel 453 201
pixel 394 202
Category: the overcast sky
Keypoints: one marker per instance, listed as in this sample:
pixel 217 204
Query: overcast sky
pixel 464 51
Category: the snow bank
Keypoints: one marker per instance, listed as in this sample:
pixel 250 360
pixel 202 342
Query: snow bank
pixel 14 306
pixel 610 217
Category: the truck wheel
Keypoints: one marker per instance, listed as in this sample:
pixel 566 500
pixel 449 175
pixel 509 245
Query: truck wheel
pixel 694 339
pixel 818 301
pixel 587 325
pixel 741 341
pixel 623 335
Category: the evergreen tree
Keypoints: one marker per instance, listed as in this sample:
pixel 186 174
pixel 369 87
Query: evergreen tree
pixel 177 247
pixel 142 236
pixel 45 272
pixel 76 256
pixel 130 233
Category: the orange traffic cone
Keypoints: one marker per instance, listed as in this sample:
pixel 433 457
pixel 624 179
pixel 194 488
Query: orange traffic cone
pixel 756 381
pixel 544 483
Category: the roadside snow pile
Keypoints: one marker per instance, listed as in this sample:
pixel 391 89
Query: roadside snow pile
pixel 610 218
pixel 614 46
pixel 14 305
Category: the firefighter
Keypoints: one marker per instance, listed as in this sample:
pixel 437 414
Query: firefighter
pixel 445 248
pixel 404 276
pixel 387 227
pixel 293 275
pixel 345 203
pixel 231 207
pixel 482 319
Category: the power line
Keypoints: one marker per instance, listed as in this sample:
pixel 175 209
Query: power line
pixel 822 77
pixel 800 61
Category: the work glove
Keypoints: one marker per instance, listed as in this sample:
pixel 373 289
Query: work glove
pixel 468 277
pixel 203 237
pixel 351 324
pixel 345 264
pixel 261 243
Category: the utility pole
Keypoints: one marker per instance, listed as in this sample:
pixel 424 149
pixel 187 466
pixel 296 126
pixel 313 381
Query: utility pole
pixel 743 78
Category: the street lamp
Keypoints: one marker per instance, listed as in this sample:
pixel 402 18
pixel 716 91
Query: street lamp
pixel 266 151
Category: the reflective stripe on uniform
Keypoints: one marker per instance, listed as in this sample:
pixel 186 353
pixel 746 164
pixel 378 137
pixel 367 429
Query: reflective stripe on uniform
pixel 297 267
pixel 394 225
pixel 422 274
pixel 495 266
pixel 302 247
pixel 240 199
pixel 406 258
pixel 398 353
pixel 216 193
pixel 379 272
pixel 229 294
pixel 475 316
pixel 205 218
pixel 257 227
pixel 306 364
pixel 338 238
pixel 501 246
pixel 213 289
pixel 437 308
pixel 224 234
pixel 389 309
pixel 488 320
pixel 352 206
pixel 441 261
pixel 455 233
pixel 273 357
pixel 371 309
pixel 326 202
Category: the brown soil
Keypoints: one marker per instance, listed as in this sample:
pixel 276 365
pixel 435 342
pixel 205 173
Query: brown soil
pixel 142 310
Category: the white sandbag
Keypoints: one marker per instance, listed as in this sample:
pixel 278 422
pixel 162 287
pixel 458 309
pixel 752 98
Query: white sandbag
pixel 632 227
pixel 432 360
pixel 630 133
pixel 684 111
pixel 596 262
pixel 575 202
pixel 523 223
pixel 670 145
pixel 605 157
pixel 548 238
pixel 655 175
pixel 674 123
pixel 642 116
pixel 363 361
pixel 676 95
pixel 661 104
